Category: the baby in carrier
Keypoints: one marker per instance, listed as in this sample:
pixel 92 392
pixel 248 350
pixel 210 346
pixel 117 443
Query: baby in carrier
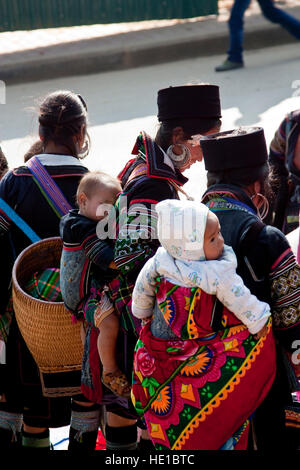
pixel 85 257
pixel 193 254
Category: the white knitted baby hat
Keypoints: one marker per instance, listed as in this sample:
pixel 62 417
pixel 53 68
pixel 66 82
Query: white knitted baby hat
pixel 181 228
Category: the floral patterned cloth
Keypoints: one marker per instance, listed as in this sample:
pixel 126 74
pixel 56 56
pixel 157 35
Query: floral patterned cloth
pixel 185 388
pixel 181 260
pixel 216 277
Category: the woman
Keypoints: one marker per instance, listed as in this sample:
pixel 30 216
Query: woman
pixel 284 160
pixel 192 382
pixel 238 192
pixel 152 175
pixel 63 138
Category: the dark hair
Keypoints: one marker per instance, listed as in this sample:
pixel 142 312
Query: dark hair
pixel 190 127
pixel 3 164
pixel 239 176
pixel 61 116
pixel 35 149
pixel 243 177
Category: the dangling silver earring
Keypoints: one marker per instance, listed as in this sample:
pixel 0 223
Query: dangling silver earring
pixel 182 159
pixel 85 148
pixel 263 211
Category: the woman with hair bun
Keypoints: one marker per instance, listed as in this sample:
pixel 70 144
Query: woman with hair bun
pixel 25 414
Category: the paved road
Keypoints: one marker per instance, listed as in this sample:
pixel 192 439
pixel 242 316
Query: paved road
pixel 124 102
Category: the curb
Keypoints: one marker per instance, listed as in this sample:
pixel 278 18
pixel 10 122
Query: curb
pixel 138 48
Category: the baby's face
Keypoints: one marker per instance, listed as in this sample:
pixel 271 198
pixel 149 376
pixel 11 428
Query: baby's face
pixel 98 205
pixel 213 241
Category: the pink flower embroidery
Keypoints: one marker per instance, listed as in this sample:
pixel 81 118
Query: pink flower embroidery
pixel 182 349
pixel 144 362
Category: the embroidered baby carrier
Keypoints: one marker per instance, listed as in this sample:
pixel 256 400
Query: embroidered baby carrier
pixel 187 385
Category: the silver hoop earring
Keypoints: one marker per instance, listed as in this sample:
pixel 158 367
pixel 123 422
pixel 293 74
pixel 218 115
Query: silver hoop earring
pixel 264 209
pixel 182 159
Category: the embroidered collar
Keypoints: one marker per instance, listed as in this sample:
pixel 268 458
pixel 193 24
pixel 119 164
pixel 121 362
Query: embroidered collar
pixel 233 195
pixel 224 203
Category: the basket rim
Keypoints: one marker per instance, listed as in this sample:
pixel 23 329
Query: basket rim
pixel 15 282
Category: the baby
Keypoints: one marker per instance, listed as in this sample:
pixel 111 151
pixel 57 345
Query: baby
pixel 85 257
pixel 193 254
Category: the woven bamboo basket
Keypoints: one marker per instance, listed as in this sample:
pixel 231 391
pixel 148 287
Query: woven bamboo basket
pixel 47 328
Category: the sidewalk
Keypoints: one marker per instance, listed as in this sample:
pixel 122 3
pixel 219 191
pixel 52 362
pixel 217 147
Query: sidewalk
pixel 50 53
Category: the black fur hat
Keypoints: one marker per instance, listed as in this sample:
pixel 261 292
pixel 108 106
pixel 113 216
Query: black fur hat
pixel 244 147
pixel 189 102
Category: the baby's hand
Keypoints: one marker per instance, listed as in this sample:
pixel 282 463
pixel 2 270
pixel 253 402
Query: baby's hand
pixel 261 332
